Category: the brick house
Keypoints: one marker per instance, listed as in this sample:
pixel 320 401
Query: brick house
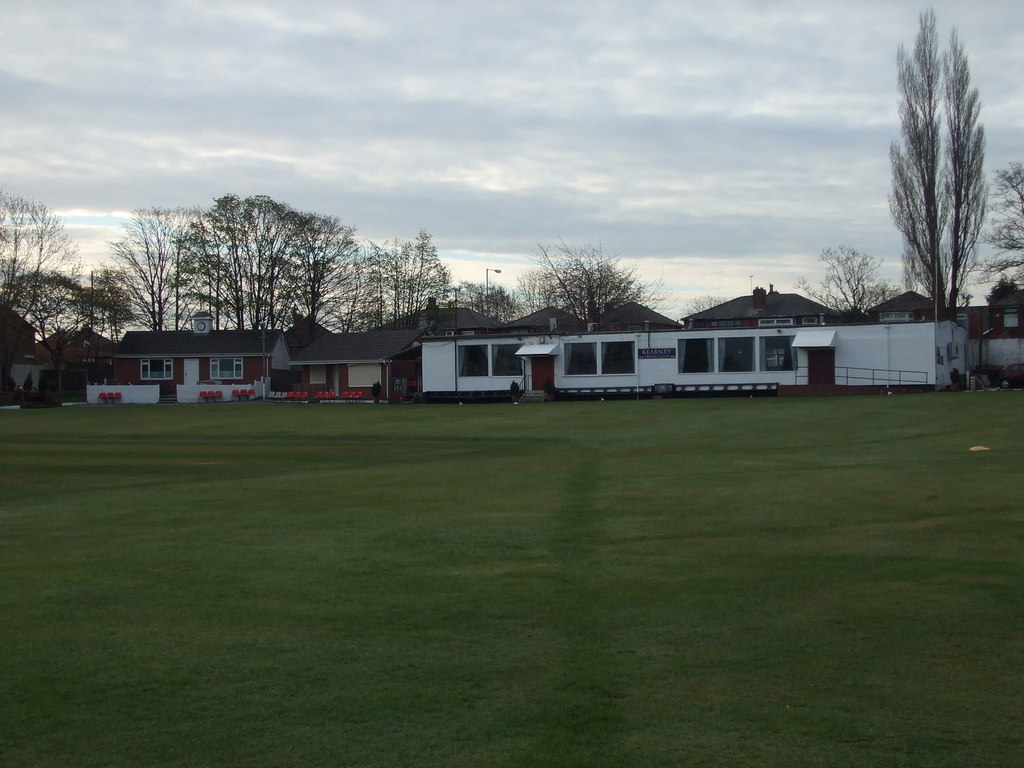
pixel 170 358
pixel 354 362
pixel 908 307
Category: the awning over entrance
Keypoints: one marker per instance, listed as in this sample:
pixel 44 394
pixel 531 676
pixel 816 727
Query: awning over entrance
pixel 537 350
pixel 814 339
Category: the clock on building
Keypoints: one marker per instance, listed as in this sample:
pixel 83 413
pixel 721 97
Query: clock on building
pixel 201 323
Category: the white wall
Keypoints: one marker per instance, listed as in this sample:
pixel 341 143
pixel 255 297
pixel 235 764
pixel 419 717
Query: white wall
pixel 280 359
pixel 885 353
pixel 439 366
pixel 144 394
pixel 190 393
pixel 998 352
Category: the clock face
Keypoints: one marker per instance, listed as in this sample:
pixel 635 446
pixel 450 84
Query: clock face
pixel 201 325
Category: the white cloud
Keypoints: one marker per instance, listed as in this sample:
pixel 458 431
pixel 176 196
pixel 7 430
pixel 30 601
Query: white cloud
pixel 710 143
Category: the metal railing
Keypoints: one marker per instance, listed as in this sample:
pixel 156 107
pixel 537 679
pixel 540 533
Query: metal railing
pixel 871 377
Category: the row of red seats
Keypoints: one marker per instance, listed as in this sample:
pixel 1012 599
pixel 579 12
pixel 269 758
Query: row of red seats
pixel 110 397
pixel 328 394
pixel 213 394
pixel 246 393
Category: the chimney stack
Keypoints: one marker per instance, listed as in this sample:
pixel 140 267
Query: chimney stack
pixel 760 297
pixel 432 311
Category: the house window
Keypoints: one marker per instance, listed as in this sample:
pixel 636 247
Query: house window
pixel 896 317
pixel 808 321
pixel 1010 318
pixel 772 322
pixel 695 355
pixel 473 360
pixel 736 354
pixel 226 368
pixel 581 359
pixel 776 353
pixel 726 323
pixel 365 375
pixel 158 369
pixel 617 357
pixel 504 361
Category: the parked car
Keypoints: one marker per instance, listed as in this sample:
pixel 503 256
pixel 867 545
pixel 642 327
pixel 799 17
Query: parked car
pixel 1011 376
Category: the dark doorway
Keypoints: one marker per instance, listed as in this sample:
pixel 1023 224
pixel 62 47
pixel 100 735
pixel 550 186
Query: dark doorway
pixel 542 369
pixel 821 365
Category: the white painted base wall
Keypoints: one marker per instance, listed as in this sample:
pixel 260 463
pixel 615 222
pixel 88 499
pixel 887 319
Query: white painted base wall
pixel 131 394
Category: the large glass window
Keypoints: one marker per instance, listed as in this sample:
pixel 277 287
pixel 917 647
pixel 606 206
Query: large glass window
pixel 504 361
pixel 1010 318
pixel 777 353
pixel 617 357
pixel 158 369
pixel 226 368
pixel 695 355
pixel 473 360
pixel 580 359
pixel 736 354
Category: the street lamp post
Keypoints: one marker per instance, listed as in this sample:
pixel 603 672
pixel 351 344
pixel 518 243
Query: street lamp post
pixel 487 288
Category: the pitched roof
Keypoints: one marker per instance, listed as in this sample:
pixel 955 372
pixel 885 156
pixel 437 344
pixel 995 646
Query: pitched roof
pixel 542 319
pixel 633 313
pixel 303 333
pixel 776 305
pixel 470 318
pixel 905 302
pixel 366 347
pixel 251 343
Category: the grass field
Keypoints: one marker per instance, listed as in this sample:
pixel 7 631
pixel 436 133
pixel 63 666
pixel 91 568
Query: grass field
pixel 770 582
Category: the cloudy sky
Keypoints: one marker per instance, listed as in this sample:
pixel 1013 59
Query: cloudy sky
pixel 717 145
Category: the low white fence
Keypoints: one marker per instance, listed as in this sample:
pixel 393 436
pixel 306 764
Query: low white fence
pixel 219 393
pixel 113 394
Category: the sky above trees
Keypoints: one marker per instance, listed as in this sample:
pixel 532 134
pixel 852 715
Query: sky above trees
pixel 717 148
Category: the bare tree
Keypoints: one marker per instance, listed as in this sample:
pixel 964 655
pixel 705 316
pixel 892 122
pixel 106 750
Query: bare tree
pixel 966 190
pixel 586 281
pixel 851 284
pixel 108 302
pixel 148 258
pixel 938 197
pixel 57 313
pixel 401 276
pixel 533 292
pixel 1007 231
pixel 325 279
pixel 492 300
pixel 33 243
pixel 237 259
pixel 701 303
